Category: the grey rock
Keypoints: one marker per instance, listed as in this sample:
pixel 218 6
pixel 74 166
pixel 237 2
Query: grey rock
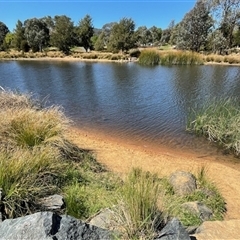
pixel 173 231
pixel 47 225
pixel 199 209
pixel 103 219
pixel 52 202
pixel 183 183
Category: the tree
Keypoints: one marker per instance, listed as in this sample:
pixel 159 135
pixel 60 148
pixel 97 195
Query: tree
pixel 84 32
pixel 143 36
pixel 156 34
pixel 122 36
pixel 217 42
pixel 193 30
pixel 228 11
pixel 36 33
pixel 18 35
pixel 167 33
pixel 62 36
pixel 100 42
pixel 8 41
pixel 3 32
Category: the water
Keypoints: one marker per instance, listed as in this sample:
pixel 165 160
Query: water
pixel 144 105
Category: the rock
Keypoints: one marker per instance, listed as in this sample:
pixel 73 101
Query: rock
pixel 183 183
pixel 215 230
pixel 53 202
pixel 47 225
pixel 104 219
pixel 199 209
pixel 173 231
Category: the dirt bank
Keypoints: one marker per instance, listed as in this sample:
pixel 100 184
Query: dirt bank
pixel 119 156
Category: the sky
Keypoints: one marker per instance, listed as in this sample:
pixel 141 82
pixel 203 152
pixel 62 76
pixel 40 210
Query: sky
pixel 147 13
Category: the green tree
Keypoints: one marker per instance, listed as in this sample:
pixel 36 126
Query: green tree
pixel 122 36
pixel 100 42
pixel 227 14
pixel 62 36
pixel 156 34
pixel 193 30
pixel 36 33
pixel 18 35
pixel 85 32
pixel 216 42
pixel 144 36
pixel 8 41
pixel 3 32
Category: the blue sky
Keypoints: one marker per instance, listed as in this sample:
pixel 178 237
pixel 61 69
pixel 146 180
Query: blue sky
pixel 150 13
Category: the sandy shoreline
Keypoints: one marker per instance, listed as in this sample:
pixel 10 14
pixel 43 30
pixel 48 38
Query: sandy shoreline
pixel 119 157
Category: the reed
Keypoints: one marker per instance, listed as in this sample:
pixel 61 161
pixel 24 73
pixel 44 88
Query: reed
pixel 149 58
pixel 218 121
pixel 180 58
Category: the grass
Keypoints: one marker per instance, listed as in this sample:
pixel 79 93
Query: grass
pixel 36 160
pixel 149 58
pixel 137 213
pixel 218 121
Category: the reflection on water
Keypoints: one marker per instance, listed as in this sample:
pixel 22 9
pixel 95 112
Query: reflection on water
pixel 129 101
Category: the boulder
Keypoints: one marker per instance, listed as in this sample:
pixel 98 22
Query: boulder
pixel 173 231
pixel 47 225
pixel 183 183
pixel 53 202
pixel 198 209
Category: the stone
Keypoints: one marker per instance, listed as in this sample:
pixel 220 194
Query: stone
pixel 199 209
pixel 52 202
pixel 183 183
pixel 173 231
pixel 48 225
pixel 103 219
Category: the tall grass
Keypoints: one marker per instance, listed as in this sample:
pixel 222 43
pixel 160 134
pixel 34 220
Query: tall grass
pixel 137 212
pixel 180 58
pixel 149 58
pixel 219 121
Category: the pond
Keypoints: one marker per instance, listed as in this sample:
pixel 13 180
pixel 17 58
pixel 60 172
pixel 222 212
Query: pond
pixel 144 105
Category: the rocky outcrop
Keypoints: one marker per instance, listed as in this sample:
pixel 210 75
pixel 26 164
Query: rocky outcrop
pixel 47 225
pixel 183 183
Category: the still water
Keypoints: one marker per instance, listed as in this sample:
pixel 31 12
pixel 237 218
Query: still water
pixel 143 105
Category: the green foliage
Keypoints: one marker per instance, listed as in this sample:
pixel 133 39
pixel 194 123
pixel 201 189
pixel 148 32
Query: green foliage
pixel 137 212
pixel 194 28
pixel 36 34
pixel 149 58
pixel 85 32
pixel 19 37
pixel 219 121
pixel 63 35
pixel 122 36
pixel 3 32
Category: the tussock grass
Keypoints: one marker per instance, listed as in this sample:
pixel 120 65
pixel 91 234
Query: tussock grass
pixel 180 58
pixel 137 213
pixel 218 121
pixel 149 58
pixel 27 175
